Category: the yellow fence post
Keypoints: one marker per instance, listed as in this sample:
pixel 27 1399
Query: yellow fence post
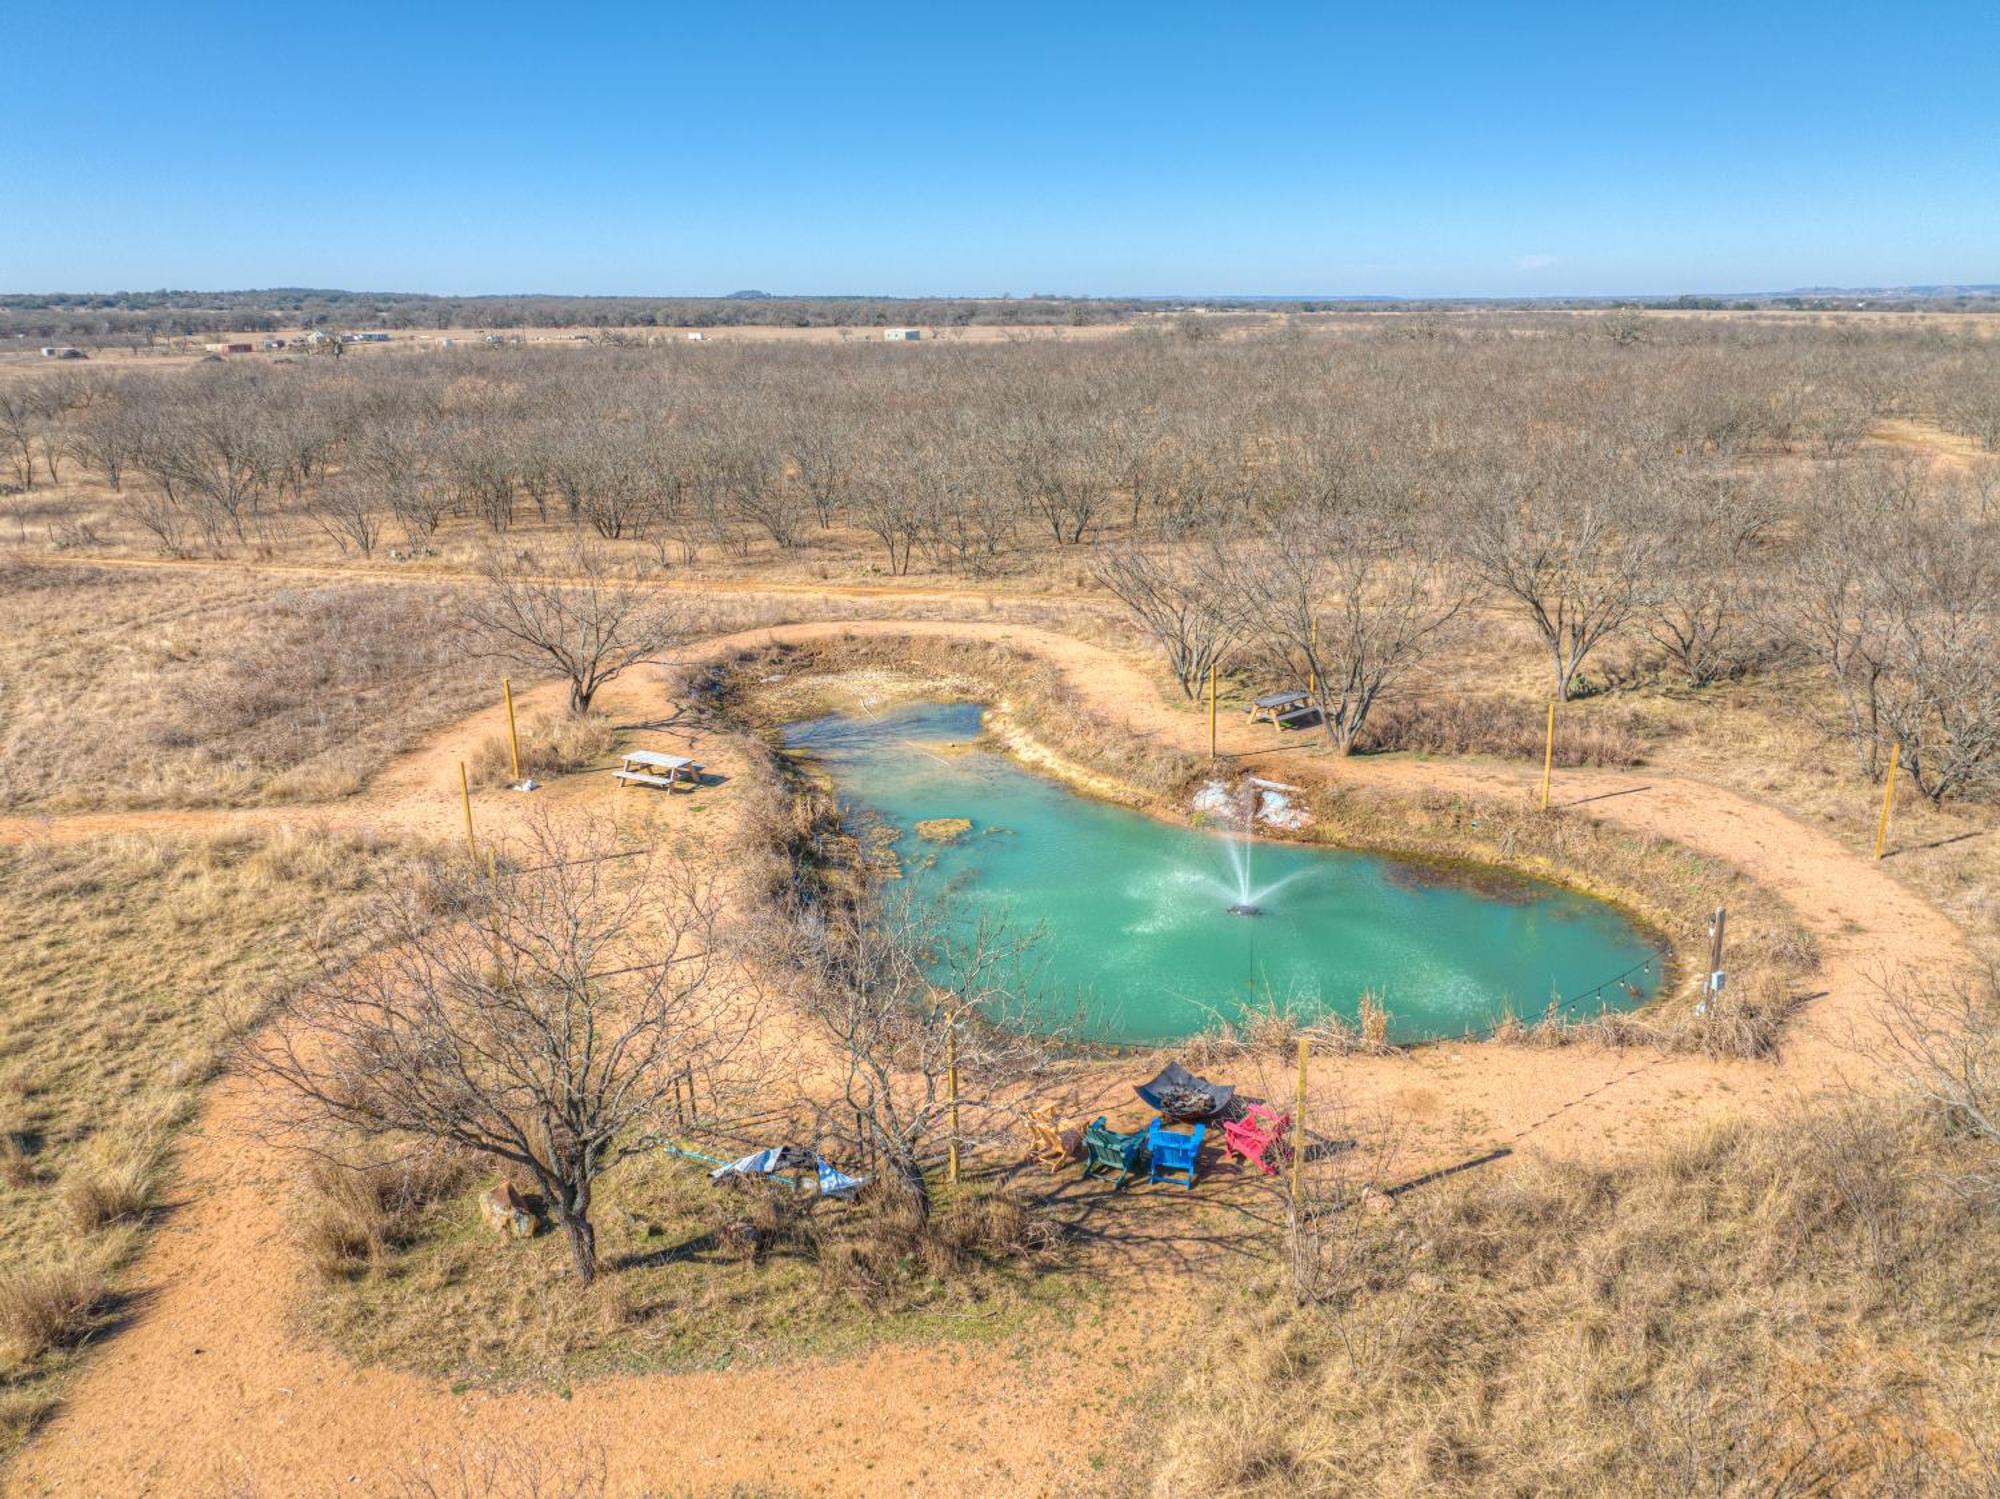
pixel 465 796
pixel 951 1093
pixel 1211 710
pixel 513 734
pixel 1548 756
pixel 1299 1121
pixel 1888 797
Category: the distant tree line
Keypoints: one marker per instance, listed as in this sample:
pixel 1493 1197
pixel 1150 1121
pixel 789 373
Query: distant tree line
pixel 1331 506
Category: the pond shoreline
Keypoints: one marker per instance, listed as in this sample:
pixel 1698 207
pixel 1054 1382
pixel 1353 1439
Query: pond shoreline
pixel 1137 897
pixel 1034 720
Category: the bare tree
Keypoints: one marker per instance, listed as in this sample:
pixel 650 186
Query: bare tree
pixel 575 610
pixel 348 511
pixel 542 1023
pixel 1188 602
pixel 1711 532
pixel 907 995
pixel 1560 541
pixel 1355 602
pixel 1898 592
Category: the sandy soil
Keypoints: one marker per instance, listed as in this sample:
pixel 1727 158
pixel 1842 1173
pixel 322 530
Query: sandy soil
pixel 208 1389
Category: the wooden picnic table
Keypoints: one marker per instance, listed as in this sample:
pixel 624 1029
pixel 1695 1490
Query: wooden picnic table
pixel 1282 709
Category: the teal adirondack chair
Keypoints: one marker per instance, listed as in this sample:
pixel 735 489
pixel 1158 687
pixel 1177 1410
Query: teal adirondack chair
pixel 1105 1149
pixel 1171 1150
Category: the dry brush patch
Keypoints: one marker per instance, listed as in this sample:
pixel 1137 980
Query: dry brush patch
pixel 1789 1307
pixel 696 1276
pixel 130 967
pixel 127 688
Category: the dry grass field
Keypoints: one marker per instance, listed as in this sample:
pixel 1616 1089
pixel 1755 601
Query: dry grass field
pixel 1736 1253
pixel 132 967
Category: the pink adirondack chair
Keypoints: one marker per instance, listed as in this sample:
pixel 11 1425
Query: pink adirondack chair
pixel 1258 1136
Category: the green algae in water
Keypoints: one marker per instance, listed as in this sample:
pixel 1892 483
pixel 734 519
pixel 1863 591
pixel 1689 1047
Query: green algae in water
pixel 1137 939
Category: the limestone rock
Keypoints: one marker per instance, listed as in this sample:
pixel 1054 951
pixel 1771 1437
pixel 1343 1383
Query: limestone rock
pixel 944 829
pixel 506 1212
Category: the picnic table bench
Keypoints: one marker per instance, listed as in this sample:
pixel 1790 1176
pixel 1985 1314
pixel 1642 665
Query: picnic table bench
pixel 650 768
pixel 1283 710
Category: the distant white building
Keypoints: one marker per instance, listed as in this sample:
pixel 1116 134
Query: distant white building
pixel 697 338
pixel 901 335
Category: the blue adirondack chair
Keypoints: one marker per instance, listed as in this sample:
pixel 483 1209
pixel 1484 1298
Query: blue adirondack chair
pixel 1173 1151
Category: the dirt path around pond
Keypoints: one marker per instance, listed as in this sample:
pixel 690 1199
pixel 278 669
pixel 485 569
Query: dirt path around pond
pixel 210 1390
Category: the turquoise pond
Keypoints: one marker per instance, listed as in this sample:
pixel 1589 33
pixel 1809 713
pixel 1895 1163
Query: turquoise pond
pixel 1136 941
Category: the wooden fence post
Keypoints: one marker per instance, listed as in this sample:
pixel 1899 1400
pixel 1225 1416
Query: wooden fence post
pixel 465 796
pixel 513 734
pixel 1299 1123
pixel 1888 797
pixel 951 1092
pixel 1548 756
pixel 1211 710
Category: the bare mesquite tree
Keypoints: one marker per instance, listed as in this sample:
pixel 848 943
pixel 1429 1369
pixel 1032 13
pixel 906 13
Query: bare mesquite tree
pixel 1356 601
pixel 573 609
pixel 1563 540
pixel 1942 1040
pixel 1712 534
pixel 903 992
pixel 1188 601
pixel 538 1014
pixel 1896 589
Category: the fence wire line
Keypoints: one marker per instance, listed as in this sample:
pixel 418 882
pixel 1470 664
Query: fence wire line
pixel 1596 991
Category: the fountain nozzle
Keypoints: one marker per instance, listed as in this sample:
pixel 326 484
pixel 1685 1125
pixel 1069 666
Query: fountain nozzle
pixel 1244 908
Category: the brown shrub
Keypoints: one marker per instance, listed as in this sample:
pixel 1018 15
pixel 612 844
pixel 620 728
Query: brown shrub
pixel 47 1306
pixel 1506 727
pixel 551 745
pixel 1744 1306
pixel 104 1188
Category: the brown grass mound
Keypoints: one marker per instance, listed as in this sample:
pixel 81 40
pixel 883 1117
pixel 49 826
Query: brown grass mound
pixel 553 744
pixel 1798 1308
pixel 47 1306
pixel 1507 727
pixel 352 1216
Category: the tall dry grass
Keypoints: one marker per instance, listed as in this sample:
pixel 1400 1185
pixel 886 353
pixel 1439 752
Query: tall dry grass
pixel 215 690
pixel 130 967
pixel 1512 728
pixel 1793 1307
pixel 552 744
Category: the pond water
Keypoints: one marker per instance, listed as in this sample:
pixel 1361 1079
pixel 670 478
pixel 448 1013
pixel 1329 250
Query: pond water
pixel 1137 941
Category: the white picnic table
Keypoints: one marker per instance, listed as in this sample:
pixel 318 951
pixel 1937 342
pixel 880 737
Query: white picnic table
pixel 651 768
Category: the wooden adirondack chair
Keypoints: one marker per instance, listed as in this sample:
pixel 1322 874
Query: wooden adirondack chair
pixel 1173 1151
pixel 1259 1136
pixel 1048 1142
pixel 1104 1149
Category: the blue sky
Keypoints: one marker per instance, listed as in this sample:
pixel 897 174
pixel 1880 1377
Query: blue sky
pixel 669 148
